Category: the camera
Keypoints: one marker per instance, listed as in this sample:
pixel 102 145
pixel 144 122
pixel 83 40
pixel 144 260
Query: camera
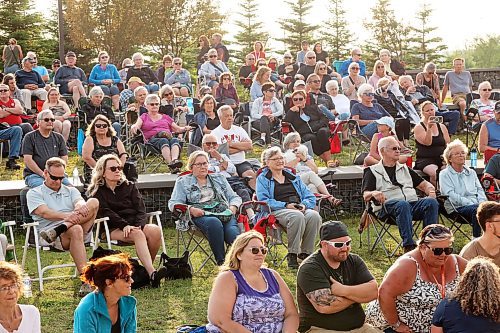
pixel 436 119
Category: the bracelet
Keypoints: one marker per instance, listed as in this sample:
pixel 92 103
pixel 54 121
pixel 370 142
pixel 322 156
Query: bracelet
pixel 396 325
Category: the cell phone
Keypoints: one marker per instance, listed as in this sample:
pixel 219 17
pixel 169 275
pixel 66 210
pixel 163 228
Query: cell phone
pixel 298 206
pixel 436 119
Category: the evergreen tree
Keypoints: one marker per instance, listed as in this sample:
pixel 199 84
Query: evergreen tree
pixel 337 34
pixel 386 32
pixel 250 29
pixel 296 29
pixel 424 48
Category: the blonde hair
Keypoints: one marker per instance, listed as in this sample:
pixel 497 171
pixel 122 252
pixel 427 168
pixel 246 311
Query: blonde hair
pixel 478 289
pixel 457 143
pixel 435 233
pixel 378 62
pixel 194 155
pixel 232 262
pixel 98 173
pixel 14 273
pixel 260 72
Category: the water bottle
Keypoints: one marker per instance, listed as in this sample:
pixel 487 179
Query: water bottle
pixel 76 177
pixel 473 158
pixel 27 286
pixel 189 104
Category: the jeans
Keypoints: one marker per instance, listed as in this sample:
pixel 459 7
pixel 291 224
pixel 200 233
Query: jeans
pixel 117 127
pixel 11 69
pixel 329 114
pixel 369 130
pixel 152 87
pixel 405 212
pixel 110 90
pixel 452 118
pixel 469 212
pixel 217 233
pixel 14 134
pixel 35 180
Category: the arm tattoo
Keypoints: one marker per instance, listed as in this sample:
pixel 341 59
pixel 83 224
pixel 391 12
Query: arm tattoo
pixel 322 297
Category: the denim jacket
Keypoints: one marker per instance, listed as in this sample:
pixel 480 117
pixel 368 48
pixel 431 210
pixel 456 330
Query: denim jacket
pixel 265 190
pixel 462 188
pixel 258 105
pixel 187 191
pixel 92 316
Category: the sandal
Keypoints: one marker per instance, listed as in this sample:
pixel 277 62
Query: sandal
pixel 332 163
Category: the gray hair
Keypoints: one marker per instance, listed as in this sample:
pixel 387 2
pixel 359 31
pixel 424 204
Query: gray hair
pixel 351 65
pixel 405 77
pixel 385 142
pixel 383 81
pixel 223 109
pixel 166 87
pixel 137 55
pixel 42 114
pixel 430 66
pixel 150 98
pixel 354 50
pixel 268 153
pixel 96 91
pixel 457 143
pixel 208 136
pixel 139 89
pixel 483 84
pixel 384 51
pixel 194 155
pixel 292 136
pixel 364 88
pixel 331 84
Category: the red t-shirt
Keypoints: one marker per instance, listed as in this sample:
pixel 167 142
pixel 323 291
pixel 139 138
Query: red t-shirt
pixel 11 119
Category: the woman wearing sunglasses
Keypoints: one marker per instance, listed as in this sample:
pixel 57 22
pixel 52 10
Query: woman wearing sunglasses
pixel 100 140
pixel 265 112
pixel 110 308
pixel 226 92
pixel 378 73
pixel 416 283
pixel 106 76
pixel 122 203
pixel 310 123
pixel 321 69
pixel 247 297
pixel 179 78
pixel 212 69
pixel 61 112
pixel 484 105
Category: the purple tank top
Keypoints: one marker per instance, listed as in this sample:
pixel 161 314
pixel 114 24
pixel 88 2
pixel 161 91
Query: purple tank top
pixel 257 311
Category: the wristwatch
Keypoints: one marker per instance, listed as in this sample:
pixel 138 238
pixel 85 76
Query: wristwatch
pixel 221 160
pixel 396 325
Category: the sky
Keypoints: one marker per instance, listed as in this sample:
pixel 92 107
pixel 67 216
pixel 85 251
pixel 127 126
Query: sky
pixel 458 22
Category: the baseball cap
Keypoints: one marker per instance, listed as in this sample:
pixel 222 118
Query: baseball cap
pixel 386 121
pixel 135 79
pixel 497 106
pixel 56 61
pixel 70 54
pixel 299 83
pixel 333 230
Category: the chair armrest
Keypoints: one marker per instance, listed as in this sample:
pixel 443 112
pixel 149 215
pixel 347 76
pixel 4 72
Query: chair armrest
pixel 31 224
pixel 9 224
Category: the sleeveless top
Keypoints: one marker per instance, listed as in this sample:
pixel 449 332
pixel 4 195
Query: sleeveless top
pixel 99 150
pixel 493 133
pixel 416 307
pixel 11 119
pixel 257 311
pixel 12 56
pixel 435 150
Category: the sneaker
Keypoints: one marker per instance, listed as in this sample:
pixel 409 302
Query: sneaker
pixel 157 276
pixel 260 142
pixel 49 236
pixel 85 289
pixel 292 261
pixel 12 165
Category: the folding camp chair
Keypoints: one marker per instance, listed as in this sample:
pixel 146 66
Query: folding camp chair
pixel 11 246
pixel 359 141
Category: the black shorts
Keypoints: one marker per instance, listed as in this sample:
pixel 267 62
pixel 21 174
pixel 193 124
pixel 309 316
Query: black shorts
pixel 243 167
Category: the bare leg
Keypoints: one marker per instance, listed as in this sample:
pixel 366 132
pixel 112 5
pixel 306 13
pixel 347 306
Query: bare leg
pixel 175 152
pixel 370 160
pixel 430 170
pixel 66 128
pixel 165 152
pixel 137 237
pixel 153 238
pixel 326 156
pixel 116 102
pixel 58 126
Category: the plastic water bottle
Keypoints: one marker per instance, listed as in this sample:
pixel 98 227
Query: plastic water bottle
pixel 473 158
pixel 190 106
pixel 27 286
pixel 76 177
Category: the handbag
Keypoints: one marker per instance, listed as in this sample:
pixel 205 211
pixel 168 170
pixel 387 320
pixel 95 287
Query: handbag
pixel 177 268
pixel 130 169
pixel 217 207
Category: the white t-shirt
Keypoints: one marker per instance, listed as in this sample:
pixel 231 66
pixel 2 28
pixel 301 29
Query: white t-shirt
pixel 30 322
pixel 342 103
pixel 237 134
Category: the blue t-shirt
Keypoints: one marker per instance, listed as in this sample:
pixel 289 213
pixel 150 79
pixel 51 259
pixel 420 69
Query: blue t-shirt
pixel 375 112
pixel 41 70
pixel 452 319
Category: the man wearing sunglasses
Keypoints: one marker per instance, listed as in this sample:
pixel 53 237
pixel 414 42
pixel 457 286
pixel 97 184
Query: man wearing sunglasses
pixel 30 82
pixel 65 218
pixel 40 145
pixel 356 55
pixel 332 283
pixel 390 187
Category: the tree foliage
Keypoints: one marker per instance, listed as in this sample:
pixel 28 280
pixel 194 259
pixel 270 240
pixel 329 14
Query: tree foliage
pixel 337 34
pixel 424 48
pixel 296 28
pixel 250 29
pixel 483 53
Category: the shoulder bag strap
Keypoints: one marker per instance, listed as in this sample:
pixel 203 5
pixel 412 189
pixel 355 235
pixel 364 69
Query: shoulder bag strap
pixel 217 67
pixel 354 84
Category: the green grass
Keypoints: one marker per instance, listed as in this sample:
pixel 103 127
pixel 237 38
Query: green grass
pixel 175 302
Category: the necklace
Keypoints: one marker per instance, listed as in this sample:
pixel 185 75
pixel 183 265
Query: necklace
pixel 442 286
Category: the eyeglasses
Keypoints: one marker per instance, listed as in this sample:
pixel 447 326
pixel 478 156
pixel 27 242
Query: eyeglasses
pixel 311 57
pixel 4 90
pixel 154 104
pixel 298 99
pixel 279 159
pixel 370 94
pixel 177 63
pixel 226 79
pixel 213 56
pixel 11 287
pixel 201 165
pixel 439 250
pixel 55 66
pixel 211 144
pixel 125 277
pixel 486 89
pixel 271 90
pixel 461 153
pixel 49 119
pixel 55 178
pixel 256 250
pixel 339 245
pixel 101 125
pixel 168 94
pixel 115 168
pixel 315 81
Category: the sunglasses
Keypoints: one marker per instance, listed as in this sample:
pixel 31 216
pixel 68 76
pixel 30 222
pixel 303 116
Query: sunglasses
pixel 125 277
pixel 226 79
pixel 355 68
pixel 315 81
pixel 440 250
pixel 211 143
pixel 115 168
pixel 272 90
pixel 395 148
pixel 322 68
pixel 213 56
pixel 49 119
pixel 101 125
pixel 299 99
pixel 340 245
pixel 202 164
pixel 255 250
pixel 380 66
pixel 104 57
pixel 369 94
pixel 154 104
pixel 485 89
pixel 55 178
pixel 56 66
pixel 4 90
pixel 359 55
pixel 177 63
pixel 311 57
pixel 168 94
pixel 288 57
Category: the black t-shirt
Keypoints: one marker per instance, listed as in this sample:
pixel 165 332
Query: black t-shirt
pixel 213 123
pixel 116 328
pixel 245 71
pixel 286 192
pixel 321 56
pixel 314 274
pixel 370 182
pixel 292 69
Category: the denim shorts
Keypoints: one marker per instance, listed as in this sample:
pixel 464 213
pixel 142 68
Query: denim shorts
pixel 159 143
